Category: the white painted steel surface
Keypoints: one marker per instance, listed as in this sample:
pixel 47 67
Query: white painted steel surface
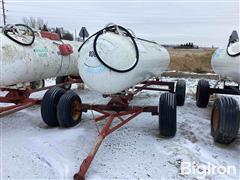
pixel 41 60
pixel 225 65
pixel 118 51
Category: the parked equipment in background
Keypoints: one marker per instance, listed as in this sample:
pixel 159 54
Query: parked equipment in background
pixel 28 56
pixel 31 57
pixel 119 65
pixel 225 118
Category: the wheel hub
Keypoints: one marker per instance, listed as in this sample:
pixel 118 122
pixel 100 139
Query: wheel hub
pixel 76 110
pixel 215 119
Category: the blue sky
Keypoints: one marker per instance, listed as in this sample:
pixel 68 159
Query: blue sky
pixel 206 22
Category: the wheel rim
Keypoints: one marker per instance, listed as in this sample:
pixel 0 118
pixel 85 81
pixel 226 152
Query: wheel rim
pixel 76 110
pixel 39 84
pixel 67 86
pixel 215 118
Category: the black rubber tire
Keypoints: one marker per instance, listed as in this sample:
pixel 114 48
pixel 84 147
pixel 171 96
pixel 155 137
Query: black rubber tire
pixel 62 79
pixel 37 84
pixel 49 105
pixel 65 109
pixel 225 120
pixel 202 94
pixel 167 115
pixel 180 92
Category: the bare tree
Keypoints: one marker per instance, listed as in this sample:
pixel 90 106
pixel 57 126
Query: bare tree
pixel 36 23
pixel 25 20
pixel 40 22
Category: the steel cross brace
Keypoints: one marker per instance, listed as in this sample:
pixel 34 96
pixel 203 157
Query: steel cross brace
pixel 4 111
pixel 105 131
pixel 21 99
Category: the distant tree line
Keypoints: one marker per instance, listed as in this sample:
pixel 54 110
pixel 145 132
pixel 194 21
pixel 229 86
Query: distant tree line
pixel 189 45
pixel 35 23
pixel 40 24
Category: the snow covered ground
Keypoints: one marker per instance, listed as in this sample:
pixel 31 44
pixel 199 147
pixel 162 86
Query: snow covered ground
pixel 31 150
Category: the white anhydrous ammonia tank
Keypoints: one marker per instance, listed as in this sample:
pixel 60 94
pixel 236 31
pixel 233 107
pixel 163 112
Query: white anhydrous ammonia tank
pixel 225 65
pixel 38 61
pixel 119 68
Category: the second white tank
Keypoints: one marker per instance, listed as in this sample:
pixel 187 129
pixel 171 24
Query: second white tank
pixel 225 65
pixel 118 69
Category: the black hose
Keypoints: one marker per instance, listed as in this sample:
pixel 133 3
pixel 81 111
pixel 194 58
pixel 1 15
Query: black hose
pixel 232 55
pixel 113 29
pixel 6 31
pixel 127 34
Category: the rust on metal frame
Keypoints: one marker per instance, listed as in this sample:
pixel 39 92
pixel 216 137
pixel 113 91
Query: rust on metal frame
pixel 117 108
pixel 146 86
pixel 21 97
pixel 105 131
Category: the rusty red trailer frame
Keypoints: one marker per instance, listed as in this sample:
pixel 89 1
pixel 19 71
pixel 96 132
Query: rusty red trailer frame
pixel 21 98
pixel 116 110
